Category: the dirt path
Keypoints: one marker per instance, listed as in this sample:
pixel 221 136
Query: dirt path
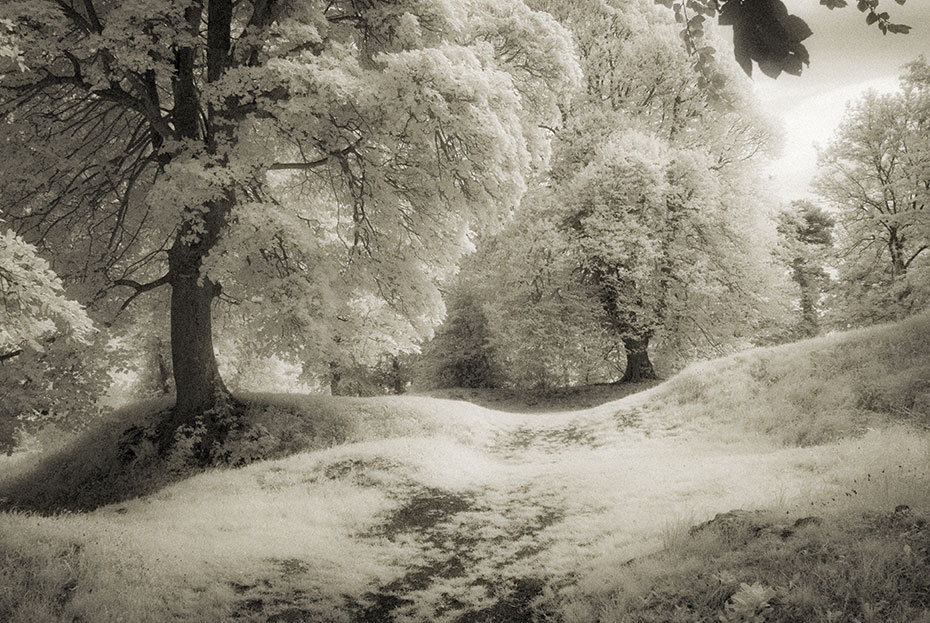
pixel 558 497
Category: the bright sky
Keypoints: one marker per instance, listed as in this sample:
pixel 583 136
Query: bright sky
pixel 847 59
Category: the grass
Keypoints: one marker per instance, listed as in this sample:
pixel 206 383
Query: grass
pixel 815 391
pixel 856 567
pixel 422 509
pixel 544 400
pixel 112 461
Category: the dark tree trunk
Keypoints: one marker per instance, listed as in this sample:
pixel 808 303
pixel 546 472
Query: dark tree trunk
pixel 201 396
pixel 810 294
pixel 334 377
pixel 196 375
pixel 163 372
pixel 638 365
pixel 397 379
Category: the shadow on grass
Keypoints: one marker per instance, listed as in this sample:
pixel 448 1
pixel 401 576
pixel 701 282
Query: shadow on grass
pixel 114 461
pixel 456 553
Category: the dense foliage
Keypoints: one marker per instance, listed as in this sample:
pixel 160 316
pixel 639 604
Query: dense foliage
pixel 316 167
pixel 647 229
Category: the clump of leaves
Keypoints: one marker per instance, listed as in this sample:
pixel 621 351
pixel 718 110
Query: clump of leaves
pixel 763 31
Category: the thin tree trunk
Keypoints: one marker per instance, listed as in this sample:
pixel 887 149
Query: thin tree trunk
pixel 810 293
pixel 396 377
pixel 334 377
pixel 638 365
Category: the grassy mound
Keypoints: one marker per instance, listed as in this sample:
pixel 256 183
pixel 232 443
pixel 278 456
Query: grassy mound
pixel 544 400
pixel 115 460
pixel 814 391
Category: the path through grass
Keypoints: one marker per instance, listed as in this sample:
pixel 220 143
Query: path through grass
pixel 418 509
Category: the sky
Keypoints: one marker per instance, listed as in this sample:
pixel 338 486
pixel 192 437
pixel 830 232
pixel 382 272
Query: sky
pixel 847 59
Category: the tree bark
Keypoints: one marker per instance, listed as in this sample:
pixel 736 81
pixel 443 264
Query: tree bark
pixel 201 396
pixel 196 374
pixel 810 295
pixel 638 365
pixel 397 380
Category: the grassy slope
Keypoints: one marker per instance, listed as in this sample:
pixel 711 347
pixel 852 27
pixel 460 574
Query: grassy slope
pixel 427 509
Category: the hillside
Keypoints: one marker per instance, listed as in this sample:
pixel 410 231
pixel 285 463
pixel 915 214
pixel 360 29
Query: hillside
pixel 425 509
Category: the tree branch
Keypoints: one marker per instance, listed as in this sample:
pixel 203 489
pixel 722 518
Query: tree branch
pixel 298 166
pixel 312 164
pixel 11 354
pixel 916 253
pixel 141 287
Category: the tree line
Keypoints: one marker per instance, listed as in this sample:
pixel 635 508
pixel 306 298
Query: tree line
pixel 221 185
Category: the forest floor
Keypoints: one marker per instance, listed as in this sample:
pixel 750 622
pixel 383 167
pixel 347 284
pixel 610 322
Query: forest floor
pixel 425 509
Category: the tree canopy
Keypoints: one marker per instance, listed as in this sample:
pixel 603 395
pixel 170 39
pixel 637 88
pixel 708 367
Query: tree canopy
pixel 646 227
pixel 317 165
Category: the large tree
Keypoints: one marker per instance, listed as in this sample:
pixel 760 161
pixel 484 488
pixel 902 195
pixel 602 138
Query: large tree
pixel 308 161
pixel 655 172
pixel 648 230
pixel 875 174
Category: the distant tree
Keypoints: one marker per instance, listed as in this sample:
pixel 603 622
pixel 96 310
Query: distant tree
pixel 876 174
pixel 655 176
pixel 666 249
pixel 648 231
pixel 306 162
pixel 807 236
pixel 545 322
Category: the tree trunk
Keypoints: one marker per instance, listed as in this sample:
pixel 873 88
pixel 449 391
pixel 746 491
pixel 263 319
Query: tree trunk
pixel 397 380
pixel 638 365
pixel 201 396
pixel 334 377
pixel 810 295
pixel 196 374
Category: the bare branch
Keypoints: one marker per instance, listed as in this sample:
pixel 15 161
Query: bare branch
pixel 11 354
pixel 311 164
pixel 141 287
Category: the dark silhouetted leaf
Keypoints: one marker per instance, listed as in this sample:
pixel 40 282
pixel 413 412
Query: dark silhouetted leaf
pixel 770 68
pixel 797 28
pixel 793 66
